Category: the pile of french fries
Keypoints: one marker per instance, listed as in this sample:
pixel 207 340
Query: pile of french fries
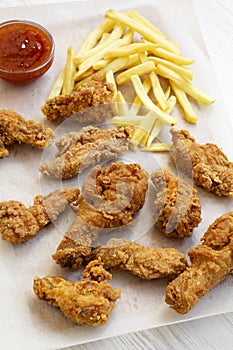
pixel 153 65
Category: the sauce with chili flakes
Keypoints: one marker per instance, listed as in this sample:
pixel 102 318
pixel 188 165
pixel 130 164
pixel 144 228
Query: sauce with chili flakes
pixel 26 50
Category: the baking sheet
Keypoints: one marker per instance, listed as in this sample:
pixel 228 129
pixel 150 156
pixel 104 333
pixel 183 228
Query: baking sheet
pixel 29 323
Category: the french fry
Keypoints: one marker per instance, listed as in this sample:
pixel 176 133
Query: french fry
pixel 131 49
pixel 158 91
pixel 104 38
pixel 101 64
pixel 57 86
pixel 137 103
pixel 117 32
pixel 140 69
pixel 69 71
pixel 122 106
pixel 144 128
pixel 189 113
pixel 92 39
pixel 145 22
pixel 142 29
pixel 163 116
pixel 183 71
pixel 157 147
pixel 127 120
pixel 184 84
pixel 154 132
pixel 170 56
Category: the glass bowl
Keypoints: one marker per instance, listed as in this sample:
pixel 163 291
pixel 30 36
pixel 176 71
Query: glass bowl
pixel 26 50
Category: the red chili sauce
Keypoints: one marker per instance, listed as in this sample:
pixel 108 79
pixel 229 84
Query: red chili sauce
pixel 24 48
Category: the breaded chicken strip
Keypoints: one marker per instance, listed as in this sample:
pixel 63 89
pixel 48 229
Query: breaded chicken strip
pixel 18 223
pixel 210 264
pixel 88 302
pixel 207 164
pixel 112 196
pixel 79 150
pixel 145 262
pixel 14 128
pixel 92 102
pixel 177 210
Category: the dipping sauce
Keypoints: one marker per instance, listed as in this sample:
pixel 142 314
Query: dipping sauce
pixel 26 50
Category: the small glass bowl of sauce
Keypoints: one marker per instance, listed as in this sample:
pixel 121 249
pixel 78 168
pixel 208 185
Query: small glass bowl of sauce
pixel 26 50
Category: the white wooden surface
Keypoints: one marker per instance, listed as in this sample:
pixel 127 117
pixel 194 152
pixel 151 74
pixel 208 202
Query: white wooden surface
pixel 216 332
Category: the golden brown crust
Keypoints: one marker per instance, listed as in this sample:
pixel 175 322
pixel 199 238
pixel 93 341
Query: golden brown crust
pixel 208 268
pixel 177 210
pixel 91 102
pixel 14 128
pixel 88 302
pixel 79 150
pixel 145 262
pixel 210 264
pixel 19 223
pixel 111 198
pixel 206 164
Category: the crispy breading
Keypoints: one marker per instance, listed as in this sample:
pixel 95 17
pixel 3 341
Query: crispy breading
pixel 142 261
pixel 206 164
pixel 210 264
pixel 88 302
pixel 177 209
pixel 19 223
pixel 14 128
pixel 79 150
pixel 91 102
pixel 220 233
pixel 112 196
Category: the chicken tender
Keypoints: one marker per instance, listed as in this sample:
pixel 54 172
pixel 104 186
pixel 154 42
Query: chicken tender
pixel 177 208
pixel 92 102
pixel 145 262
pixel 79 150
pixel 88 302
pixel 14 128
pixel 206 164
pixel 19 223
pixel 112 196
pixel 210 264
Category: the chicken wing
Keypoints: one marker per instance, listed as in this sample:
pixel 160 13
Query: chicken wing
pixel 91 102
pixel 210 264
pixel 177 209
pixel 18 223
pixel 13 127
pixel 206 164
pixel 145 262
pixel 112 196
pixel 79 150
pixel 88 302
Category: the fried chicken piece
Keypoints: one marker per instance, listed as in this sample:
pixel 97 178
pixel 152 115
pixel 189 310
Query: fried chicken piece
pixel 91 102
pixel 18 223
pixel 210 264
pixel 13 127
pixel 177 209
pixel 88 302
pixel 220 233
pixel 112 196
pixel 79 150
pixel 145 262
pixel 207 164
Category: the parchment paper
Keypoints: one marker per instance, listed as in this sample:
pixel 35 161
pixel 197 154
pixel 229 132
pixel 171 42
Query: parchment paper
pixel 25 321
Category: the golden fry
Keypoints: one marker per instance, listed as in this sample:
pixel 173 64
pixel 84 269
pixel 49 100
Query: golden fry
pixel 190 115
pixel 183 71
pixel 142 29
pixel 140 69
pixel 184 84
pixel 69 71
pixel 138 87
